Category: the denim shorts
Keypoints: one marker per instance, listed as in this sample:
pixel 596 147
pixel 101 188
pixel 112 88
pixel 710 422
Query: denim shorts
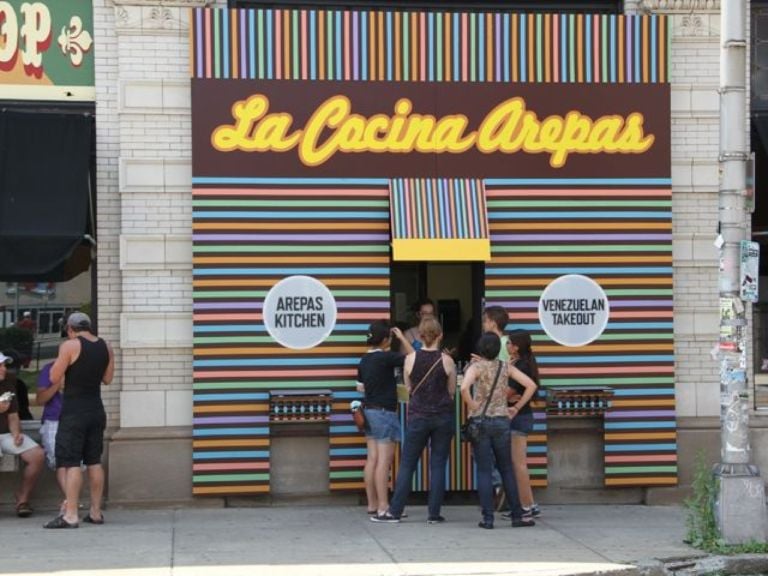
pixel 382 425
pixel 521 424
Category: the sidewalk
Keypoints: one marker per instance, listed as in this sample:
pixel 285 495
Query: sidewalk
pixel 341 541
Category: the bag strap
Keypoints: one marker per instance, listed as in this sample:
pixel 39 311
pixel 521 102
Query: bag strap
pixel 440 359
pixel 490 395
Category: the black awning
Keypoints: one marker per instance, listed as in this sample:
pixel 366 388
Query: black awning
pixel 45 160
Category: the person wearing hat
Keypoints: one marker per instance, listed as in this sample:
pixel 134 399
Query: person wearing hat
pixel 85 362
pixel 12 441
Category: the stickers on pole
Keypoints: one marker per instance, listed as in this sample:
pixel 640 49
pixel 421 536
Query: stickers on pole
pixel 749 270
pixel 573 310
pixel 299 312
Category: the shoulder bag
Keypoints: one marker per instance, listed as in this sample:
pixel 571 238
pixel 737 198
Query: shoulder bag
pixel 472 429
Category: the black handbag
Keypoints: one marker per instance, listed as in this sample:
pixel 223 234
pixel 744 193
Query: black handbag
pixel 471 430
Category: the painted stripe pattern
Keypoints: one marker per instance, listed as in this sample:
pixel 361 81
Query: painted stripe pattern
pixel 438 208
pixel 621 236
pixel 351 45
pixel 246 238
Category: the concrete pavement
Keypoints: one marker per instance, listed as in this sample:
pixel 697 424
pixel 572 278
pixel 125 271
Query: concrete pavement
pixel 339 540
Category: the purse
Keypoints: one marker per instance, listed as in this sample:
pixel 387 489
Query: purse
pixel 358 416
pixel 471 430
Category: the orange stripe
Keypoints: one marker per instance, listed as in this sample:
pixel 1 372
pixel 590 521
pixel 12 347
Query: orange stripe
pixel 287 43
pixel 397 46
pixel 367 226
pixel 580 46
pixel 538 483
pixel 321 45
pixel 346 463
pixel 356 440
pixel 547 48
pixel 447 48
pixel 635 282
pixel 645 49
pixel 291 260
pixel 323 193
pixel 515 39
pixel 604 348
pixel 640 436
pixel 341 316
pixel 662 48
pixel 564 259
pixel 489 35
pixel 548 371
pixel 231 408
pixel 234 38
pixel 585 192
pixel 621 25
pixel 414 31
pixel 381 45
pixel 583 226
pixel 641 481
pixel 645 403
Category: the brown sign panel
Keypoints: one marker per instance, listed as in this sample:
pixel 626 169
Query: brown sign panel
pixel 278 128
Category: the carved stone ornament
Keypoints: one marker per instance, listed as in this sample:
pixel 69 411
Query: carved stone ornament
pixel 679 5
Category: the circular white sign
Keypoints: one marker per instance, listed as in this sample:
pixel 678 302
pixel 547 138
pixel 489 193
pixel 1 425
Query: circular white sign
pixel 573 310
pixel 299 312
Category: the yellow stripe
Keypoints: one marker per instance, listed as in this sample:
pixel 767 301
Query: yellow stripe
pixel 581 259
pixel 260 442
pixel 454 249
pixel 250 489
pixel 644 403
pixel 279 350
pixel 641 481
pixel 641 436
pixel 231 408
pixel 582 226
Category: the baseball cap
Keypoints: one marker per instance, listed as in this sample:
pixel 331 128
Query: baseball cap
pixel 79 321
pixel 5 359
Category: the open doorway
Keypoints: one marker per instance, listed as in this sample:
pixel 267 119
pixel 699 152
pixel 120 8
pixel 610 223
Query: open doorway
pixel 456 288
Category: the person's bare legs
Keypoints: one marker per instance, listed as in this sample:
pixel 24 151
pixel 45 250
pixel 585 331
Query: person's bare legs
pixel 34 461
pixel 520 466
pixel 368 474
pixel 386 453
pixel 96 486
pixel 73 484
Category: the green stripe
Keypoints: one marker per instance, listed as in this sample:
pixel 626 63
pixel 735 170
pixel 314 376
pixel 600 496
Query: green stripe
pixel 604 44
pixel 579 203
pixel 295 18
pixel 557 248
pixel 640 469
pixel 261 384
pixel 346 474
pixel 438 28
pixel 572 46
pixel 300 248
pixel 292 203
pixel 537 471
pixel 472 48
pixel 611 292
pixel 213 478
pixel 552 381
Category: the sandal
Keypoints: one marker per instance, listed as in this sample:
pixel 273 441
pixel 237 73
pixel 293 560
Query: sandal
pixel 23 510
pixel 91 520
pixel 59 522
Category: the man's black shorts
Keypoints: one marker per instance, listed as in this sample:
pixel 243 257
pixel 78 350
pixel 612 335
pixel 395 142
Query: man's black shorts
pixel 80 438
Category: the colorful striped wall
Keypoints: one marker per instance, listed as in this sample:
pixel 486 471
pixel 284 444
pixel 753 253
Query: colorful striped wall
pixel 619 233
pixel 248 235
pixel 350 45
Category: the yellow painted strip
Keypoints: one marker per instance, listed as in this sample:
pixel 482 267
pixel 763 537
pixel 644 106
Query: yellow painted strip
pixel 260 442
pixel 291 259
pixel 201 490
pixel 641 481
pixel 641 436
pixel 634 282
pixel 645 403
pixel 279 350
pixel 219 408
pixel 582 226
pixel 605 348
pixel 582 259
pixel 454 249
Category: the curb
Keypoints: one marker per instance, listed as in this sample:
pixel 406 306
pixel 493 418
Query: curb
pixel 739 564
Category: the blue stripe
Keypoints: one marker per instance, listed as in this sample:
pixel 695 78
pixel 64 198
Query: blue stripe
pixel 618 391
pixel 456 43
pixel 339 50
pixel 481 47
pixel 429 46
pixel 506 20
pixel 654 20
pixel 312 48
pixel 576 270
pixel 337 430
pixel 252 32
pixel 280 272
pixel 579 181
pixel 617 215
pixel 640 425
pixel 613 52
pixel 231 431
pixel 298 181
pixel 202 397
pixel 291 215
pixel 640 447
pixel 523 48
pixel 347 451
pixel 638 49
pixel 276 362
pixel 563 48
pixel 222 455
pixel 346 395
pixel 364 42
pixel 588 47
pixel 269 15
pixel 225 41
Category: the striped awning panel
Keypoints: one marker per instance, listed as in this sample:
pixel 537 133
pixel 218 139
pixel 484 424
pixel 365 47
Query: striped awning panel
pixel 439 219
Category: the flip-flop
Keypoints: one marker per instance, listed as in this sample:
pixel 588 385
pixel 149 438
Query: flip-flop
pixel 59 522
pixel 90 520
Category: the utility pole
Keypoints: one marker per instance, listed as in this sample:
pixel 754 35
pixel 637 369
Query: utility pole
pixel 740 508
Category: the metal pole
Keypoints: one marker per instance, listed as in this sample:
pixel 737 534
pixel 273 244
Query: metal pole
pixel 740 507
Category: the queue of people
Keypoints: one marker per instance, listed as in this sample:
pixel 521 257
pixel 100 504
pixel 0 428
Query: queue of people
pixel 497 388
pixel 73 423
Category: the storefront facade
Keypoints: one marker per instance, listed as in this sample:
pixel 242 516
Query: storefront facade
pixel 194 359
